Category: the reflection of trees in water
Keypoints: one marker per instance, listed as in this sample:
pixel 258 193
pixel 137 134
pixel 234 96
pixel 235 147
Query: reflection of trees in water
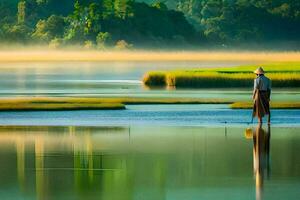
pixel 92 171
pixel 90 160
pixel 109 173
pixel 39 168
pixel 20 149
pixel 261 157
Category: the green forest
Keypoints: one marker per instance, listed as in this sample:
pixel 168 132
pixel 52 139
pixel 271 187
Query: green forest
pixel 125 24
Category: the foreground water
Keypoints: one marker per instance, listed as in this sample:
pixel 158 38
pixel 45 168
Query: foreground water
pixel 149 162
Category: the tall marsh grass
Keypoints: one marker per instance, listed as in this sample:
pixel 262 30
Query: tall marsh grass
pixel 155 79
pixel 77 103
pixel 224 77
pixel 274 105
pixel 114 103
pixel 56 103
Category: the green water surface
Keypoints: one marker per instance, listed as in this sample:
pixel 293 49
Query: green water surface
pixel 150 163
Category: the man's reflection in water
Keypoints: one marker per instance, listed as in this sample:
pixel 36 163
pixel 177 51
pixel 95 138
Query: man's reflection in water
pixel 261 157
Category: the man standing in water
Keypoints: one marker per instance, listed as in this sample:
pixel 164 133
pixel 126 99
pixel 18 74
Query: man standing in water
pixel 261 95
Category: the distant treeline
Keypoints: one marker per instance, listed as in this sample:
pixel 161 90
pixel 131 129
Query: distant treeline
pixel 149 23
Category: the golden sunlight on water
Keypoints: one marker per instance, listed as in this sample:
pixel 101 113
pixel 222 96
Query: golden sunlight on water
pixel 56 56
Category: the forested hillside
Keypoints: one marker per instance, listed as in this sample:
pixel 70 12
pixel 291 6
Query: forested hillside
pixel 244 20
pixel 149 23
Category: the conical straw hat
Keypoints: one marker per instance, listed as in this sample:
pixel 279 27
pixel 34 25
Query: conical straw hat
pixel 259 70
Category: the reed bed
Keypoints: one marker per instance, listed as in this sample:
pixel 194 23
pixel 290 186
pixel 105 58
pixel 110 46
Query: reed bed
pixel 281 74
pixel 274 105
pixel 45 103
pixel 59 103
pixel 155 78
pixel 269 67
pixel 106 100
pixel 59 107
pixel 75 103
pixel 218 80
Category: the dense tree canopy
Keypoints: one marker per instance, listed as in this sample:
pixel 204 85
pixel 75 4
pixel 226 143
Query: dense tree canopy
pixel 244 20
pixel 150 23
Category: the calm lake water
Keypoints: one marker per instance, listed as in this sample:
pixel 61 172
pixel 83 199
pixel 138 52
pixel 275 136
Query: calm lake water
pixel 89 78
pixel 152 152
pixel 150 115
pixel 147 162
pixel 111 79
